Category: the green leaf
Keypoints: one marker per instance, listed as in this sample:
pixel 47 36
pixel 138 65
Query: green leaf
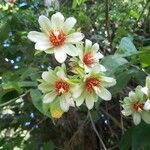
pixel 141 137
pixel 126 140
pixel 37 102
pixel 113 62
pixel 126 47
pixel 49 146
pixel 145 56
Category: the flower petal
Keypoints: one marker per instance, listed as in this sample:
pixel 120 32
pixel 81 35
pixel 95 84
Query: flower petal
pixel 43 45
pixel 77 90
pixel 63 104
pixel 44 87
pixel 79 100
pixel 108 81
pixel 99 56
pixel 103 93
pixel 71 50
pixel 57 21
pixel 89 100
pixel 147 105
pixel 88 45
pixel 69 99
pixel 69 24
pixel 145 90
pixel 74 37
pixel 127 112
pixel 136 118
pixel 35 36
pixel 48 98
pixel 49 76
pixel 146 116
pixel 95 47
pixel 60 55
pixel 61 73
pixel 45 24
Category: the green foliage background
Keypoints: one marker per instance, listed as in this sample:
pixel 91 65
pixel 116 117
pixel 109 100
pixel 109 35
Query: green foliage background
pixel 121 27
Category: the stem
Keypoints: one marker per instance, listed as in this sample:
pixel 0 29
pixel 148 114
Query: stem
pixel 107 23
pixel 13 100
pixel 96 132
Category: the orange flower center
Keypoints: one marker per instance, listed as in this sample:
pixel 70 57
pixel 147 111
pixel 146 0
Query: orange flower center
pixel 88 59
pixel 137 106
pixel 90 83
pixel 61 87
pixel 57 38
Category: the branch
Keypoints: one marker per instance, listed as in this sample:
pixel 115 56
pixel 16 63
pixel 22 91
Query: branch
pixel 13 100
pixel 96 132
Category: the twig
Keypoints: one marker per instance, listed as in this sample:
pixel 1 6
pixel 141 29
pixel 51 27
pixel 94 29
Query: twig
pixel 95 130
pixel 143 11
pixel 107 23
pixel 76 133
pixel 121 119
pixel 13 100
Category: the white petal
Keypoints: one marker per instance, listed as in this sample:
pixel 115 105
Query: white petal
pixel 136 118
pixel 95 47
pixel 145 90
pixel 88 45
pixel 57 21
pixel 60 73
pixel 87 68
pixel 74 37
pixel 45 24
pixel 63 104
pixel 127 112
pixel 98 68
pixel 103 93
pixel 132 95
pixel 71 50
pixel 146 116
pixel 43 45
pixel 60 55
pixel 49 76
pixel 45 87
pixel 89 101
pixel 69 99
pixel 35 36
pixel 148 82
pixel 77 90
pixel 48 98
pixel 108 81
pixel 69 24
pixel 147 105
pixel 99 56
pixel 79 100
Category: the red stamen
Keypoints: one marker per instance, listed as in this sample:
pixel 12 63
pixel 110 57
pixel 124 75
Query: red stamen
pixel 88 59
pixel 61 87
pixel 57 38
pixel 138 106
pixel 90 83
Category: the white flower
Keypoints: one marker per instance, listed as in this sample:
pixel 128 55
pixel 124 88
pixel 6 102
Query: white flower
pixel 90 56
pixel 91 87
pixel 56 86
pixel 137 106
pixel 57 36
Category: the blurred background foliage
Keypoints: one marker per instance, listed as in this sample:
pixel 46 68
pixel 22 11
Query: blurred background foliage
pixel 122 29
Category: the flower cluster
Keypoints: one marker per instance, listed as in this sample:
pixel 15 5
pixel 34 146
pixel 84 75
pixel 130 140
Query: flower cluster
pixel 85 81
pixel 137 103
